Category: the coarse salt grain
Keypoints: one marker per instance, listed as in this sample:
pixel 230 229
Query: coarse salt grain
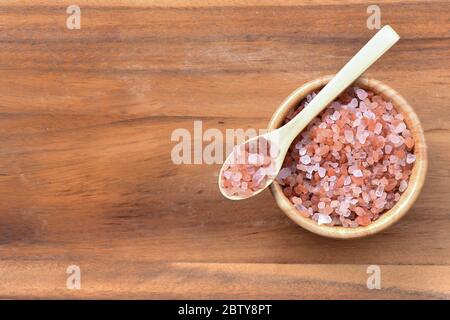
pixel 323 219
pixel 305 159
pixel 348 135
pixel 410 158
pixel 321 171
pixel 357 173
pixel 362 94
pixel 403 186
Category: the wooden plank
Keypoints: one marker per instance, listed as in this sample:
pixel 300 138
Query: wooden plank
pixel 223 281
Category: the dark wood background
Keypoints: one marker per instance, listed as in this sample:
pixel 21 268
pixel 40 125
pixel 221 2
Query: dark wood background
pixel 85 171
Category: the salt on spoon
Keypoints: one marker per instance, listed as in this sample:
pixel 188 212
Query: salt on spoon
pixel 271 148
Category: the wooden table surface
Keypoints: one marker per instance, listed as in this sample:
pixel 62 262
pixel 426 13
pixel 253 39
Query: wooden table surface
pixel 86 176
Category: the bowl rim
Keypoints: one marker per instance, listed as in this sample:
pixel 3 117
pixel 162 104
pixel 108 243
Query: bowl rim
pixel 416 180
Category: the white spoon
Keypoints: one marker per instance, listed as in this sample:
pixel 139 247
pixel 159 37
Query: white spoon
pixel 282 138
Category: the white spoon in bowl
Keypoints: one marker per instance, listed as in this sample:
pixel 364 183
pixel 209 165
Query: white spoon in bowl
pixel 281 138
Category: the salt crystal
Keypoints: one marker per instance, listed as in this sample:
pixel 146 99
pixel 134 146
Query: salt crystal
pixel 284 173
pixel 394 138
pixel 393 159
pixel 296 200
pixel 400 127
pixel 259 175
pixel 403 186
pixel 271 170
pixel 252 158
pixel 353 104
pixel 410 158
pixel 357 173
pixel 348 136
pixel 227 174
pixel 301 208
pixel 235 183
pixel 360 211
pixel 305 159
pixel 366 197
pixel 347 181
pixel 321 171
pixel 379 191
pixel 369 114
pixel 335 116
pixel 343 207
pixel 351 169
pixel 346 213
pixel 378 128
pixel 351 160
pixel 388 149
pixel 386 117
pixel 362 106
pixel 334 203
pixel 362 136
pixel 359 115
pixel 379 203
pixel 236 176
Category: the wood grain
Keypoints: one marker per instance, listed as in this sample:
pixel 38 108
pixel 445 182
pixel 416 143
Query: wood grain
pixel 85 171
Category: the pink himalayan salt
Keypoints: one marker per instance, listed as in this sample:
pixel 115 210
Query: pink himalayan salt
pixel 249 168
pixel 306 159
pixel 352 162
pixel 362 94
pixel 410 158
pixel 323 219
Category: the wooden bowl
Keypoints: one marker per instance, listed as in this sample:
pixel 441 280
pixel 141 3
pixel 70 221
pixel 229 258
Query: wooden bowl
pixel 417 177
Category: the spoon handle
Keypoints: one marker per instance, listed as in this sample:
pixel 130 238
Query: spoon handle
pixel 374 49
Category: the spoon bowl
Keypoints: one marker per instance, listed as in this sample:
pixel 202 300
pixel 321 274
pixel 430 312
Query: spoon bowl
pixel 273 140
